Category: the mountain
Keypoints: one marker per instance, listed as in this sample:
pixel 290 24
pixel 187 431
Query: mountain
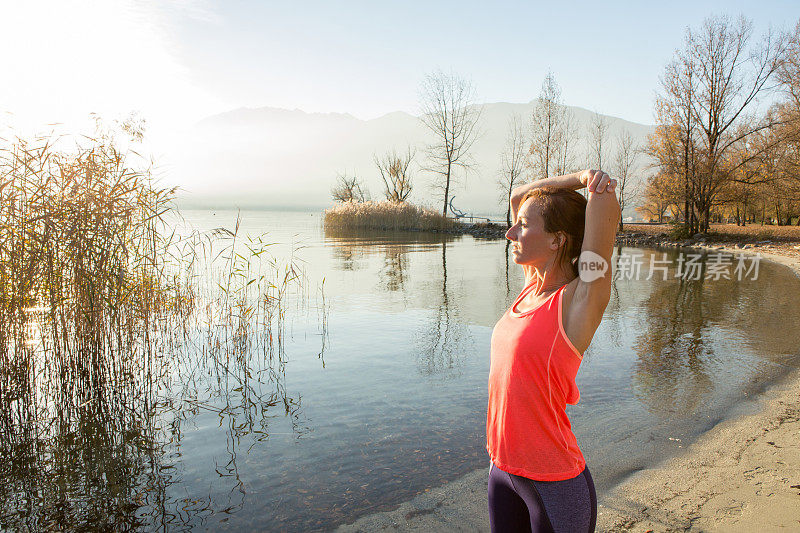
pixel 269 157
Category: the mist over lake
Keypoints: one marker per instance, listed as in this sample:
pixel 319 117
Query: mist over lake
pixel 256 157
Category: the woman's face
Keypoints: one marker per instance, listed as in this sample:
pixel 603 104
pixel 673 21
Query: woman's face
pixel 531 244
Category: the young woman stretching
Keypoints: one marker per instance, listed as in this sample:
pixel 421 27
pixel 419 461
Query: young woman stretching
pixel 538 480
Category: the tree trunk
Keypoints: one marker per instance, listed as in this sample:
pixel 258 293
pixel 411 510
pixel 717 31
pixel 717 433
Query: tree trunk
pixel 744 210
pixel 446 190
pixel 546 169
pixel 686 201
pixel 508 211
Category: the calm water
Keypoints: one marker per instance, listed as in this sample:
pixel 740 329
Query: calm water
pixel 383 390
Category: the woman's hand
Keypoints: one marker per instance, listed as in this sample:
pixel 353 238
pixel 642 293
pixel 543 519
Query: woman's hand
pixel 597 181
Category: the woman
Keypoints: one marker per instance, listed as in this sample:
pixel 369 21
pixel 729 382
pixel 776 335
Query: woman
pixel 538 480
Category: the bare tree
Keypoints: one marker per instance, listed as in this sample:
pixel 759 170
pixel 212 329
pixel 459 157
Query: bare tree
pixel 598 139
pixel 395 173
pixel 674 112
pixel 730 75
pixel 448 111
pixel 565 156
pixel 789 73
pixel 547 129
pixel 348 189
pixel 512 163
pixel 623 167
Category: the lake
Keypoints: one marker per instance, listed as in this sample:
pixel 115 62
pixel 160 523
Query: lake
pixel 380 392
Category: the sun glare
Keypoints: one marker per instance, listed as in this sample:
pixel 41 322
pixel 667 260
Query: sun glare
pixel 70 59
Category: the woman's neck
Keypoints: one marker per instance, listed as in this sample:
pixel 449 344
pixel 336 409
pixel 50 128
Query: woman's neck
pixel 548 281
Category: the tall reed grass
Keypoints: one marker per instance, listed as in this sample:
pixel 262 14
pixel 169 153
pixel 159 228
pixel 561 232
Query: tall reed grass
pixel 83 297
pixel 385 215
pixel 114 329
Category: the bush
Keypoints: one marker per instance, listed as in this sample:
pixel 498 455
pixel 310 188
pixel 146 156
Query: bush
pixel 386 215
pixel 679 231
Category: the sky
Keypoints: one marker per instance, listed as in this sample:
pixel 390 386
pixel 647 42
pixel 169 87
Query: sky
pixel 175 62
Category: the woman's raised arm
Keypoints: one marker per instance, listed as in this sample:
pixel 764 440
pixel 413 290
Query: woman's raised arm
pixel 567 181
pixel 593 291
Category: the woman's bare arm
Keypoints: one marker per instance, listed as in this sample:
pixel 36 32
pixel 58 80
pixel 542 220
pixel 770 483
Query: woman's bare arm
pixel 567 181
pixel 593 290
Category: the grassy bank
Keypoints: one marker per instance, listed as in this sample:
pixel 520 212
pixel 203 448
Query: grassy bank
pixel 730 232
pixel 387 216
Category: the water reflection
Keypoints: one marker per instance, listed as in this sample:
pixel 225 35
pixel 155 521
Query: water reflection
pixel 441 345
pixel 109 459
pixel 671 374
pixel 357 240
pixel 307 437
pixel 93 454
pixel 395 265
pixel 687 332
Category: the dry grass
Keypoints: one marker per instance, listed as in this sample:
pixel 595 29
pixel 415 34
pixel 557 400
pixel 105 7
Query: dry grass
pixel 730 232
pixel 104 314
pixel 83 297
pixel 386 215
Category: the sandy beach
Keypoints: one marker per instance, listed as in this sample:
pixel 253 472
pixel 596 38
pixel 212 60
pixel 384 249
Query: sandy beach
pixel 742 475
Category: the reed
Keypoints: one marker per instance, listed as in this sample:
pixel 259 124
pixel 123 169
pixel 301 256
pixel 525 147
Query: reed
pixel 82 299
pixel 386 216
pixel 114 329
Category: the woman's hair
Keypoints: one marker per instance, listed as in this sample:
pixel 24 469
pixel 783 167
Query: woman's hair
pixel 563 210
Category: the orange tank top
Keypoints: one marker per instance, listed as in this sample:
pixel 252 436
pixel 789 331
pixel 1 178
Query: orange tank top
pixel 531 381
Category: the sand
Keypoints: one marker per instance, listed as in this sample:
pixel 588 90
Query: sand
pixel 742 475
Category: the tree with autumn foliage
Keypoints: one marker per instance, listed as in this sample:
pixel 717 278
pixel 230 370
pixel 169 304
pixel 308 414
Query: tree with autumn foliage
pixel 661 193
pixel 715 79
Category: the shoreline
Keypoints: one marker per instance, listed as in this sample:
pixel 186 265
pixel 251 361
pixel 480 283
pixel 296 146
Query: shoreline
pixel 743 474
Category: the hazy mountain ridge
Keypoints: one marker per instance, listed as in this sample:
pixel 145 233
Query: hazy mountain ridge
pixel 259 115
pixel 271 157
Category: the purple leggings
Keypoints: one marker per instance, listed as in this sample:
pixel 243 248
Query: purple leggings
pixel 520 504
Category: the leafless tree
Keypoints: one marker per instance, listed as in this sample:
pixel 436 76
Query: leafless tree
pixel 598 140
pixel 448 110
pixel 674 112
pixel 623 168
pixel 396 174
pixel 565 149
pixel 512 163
pixel 348 189
pixel 789 72
pixel 547 129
